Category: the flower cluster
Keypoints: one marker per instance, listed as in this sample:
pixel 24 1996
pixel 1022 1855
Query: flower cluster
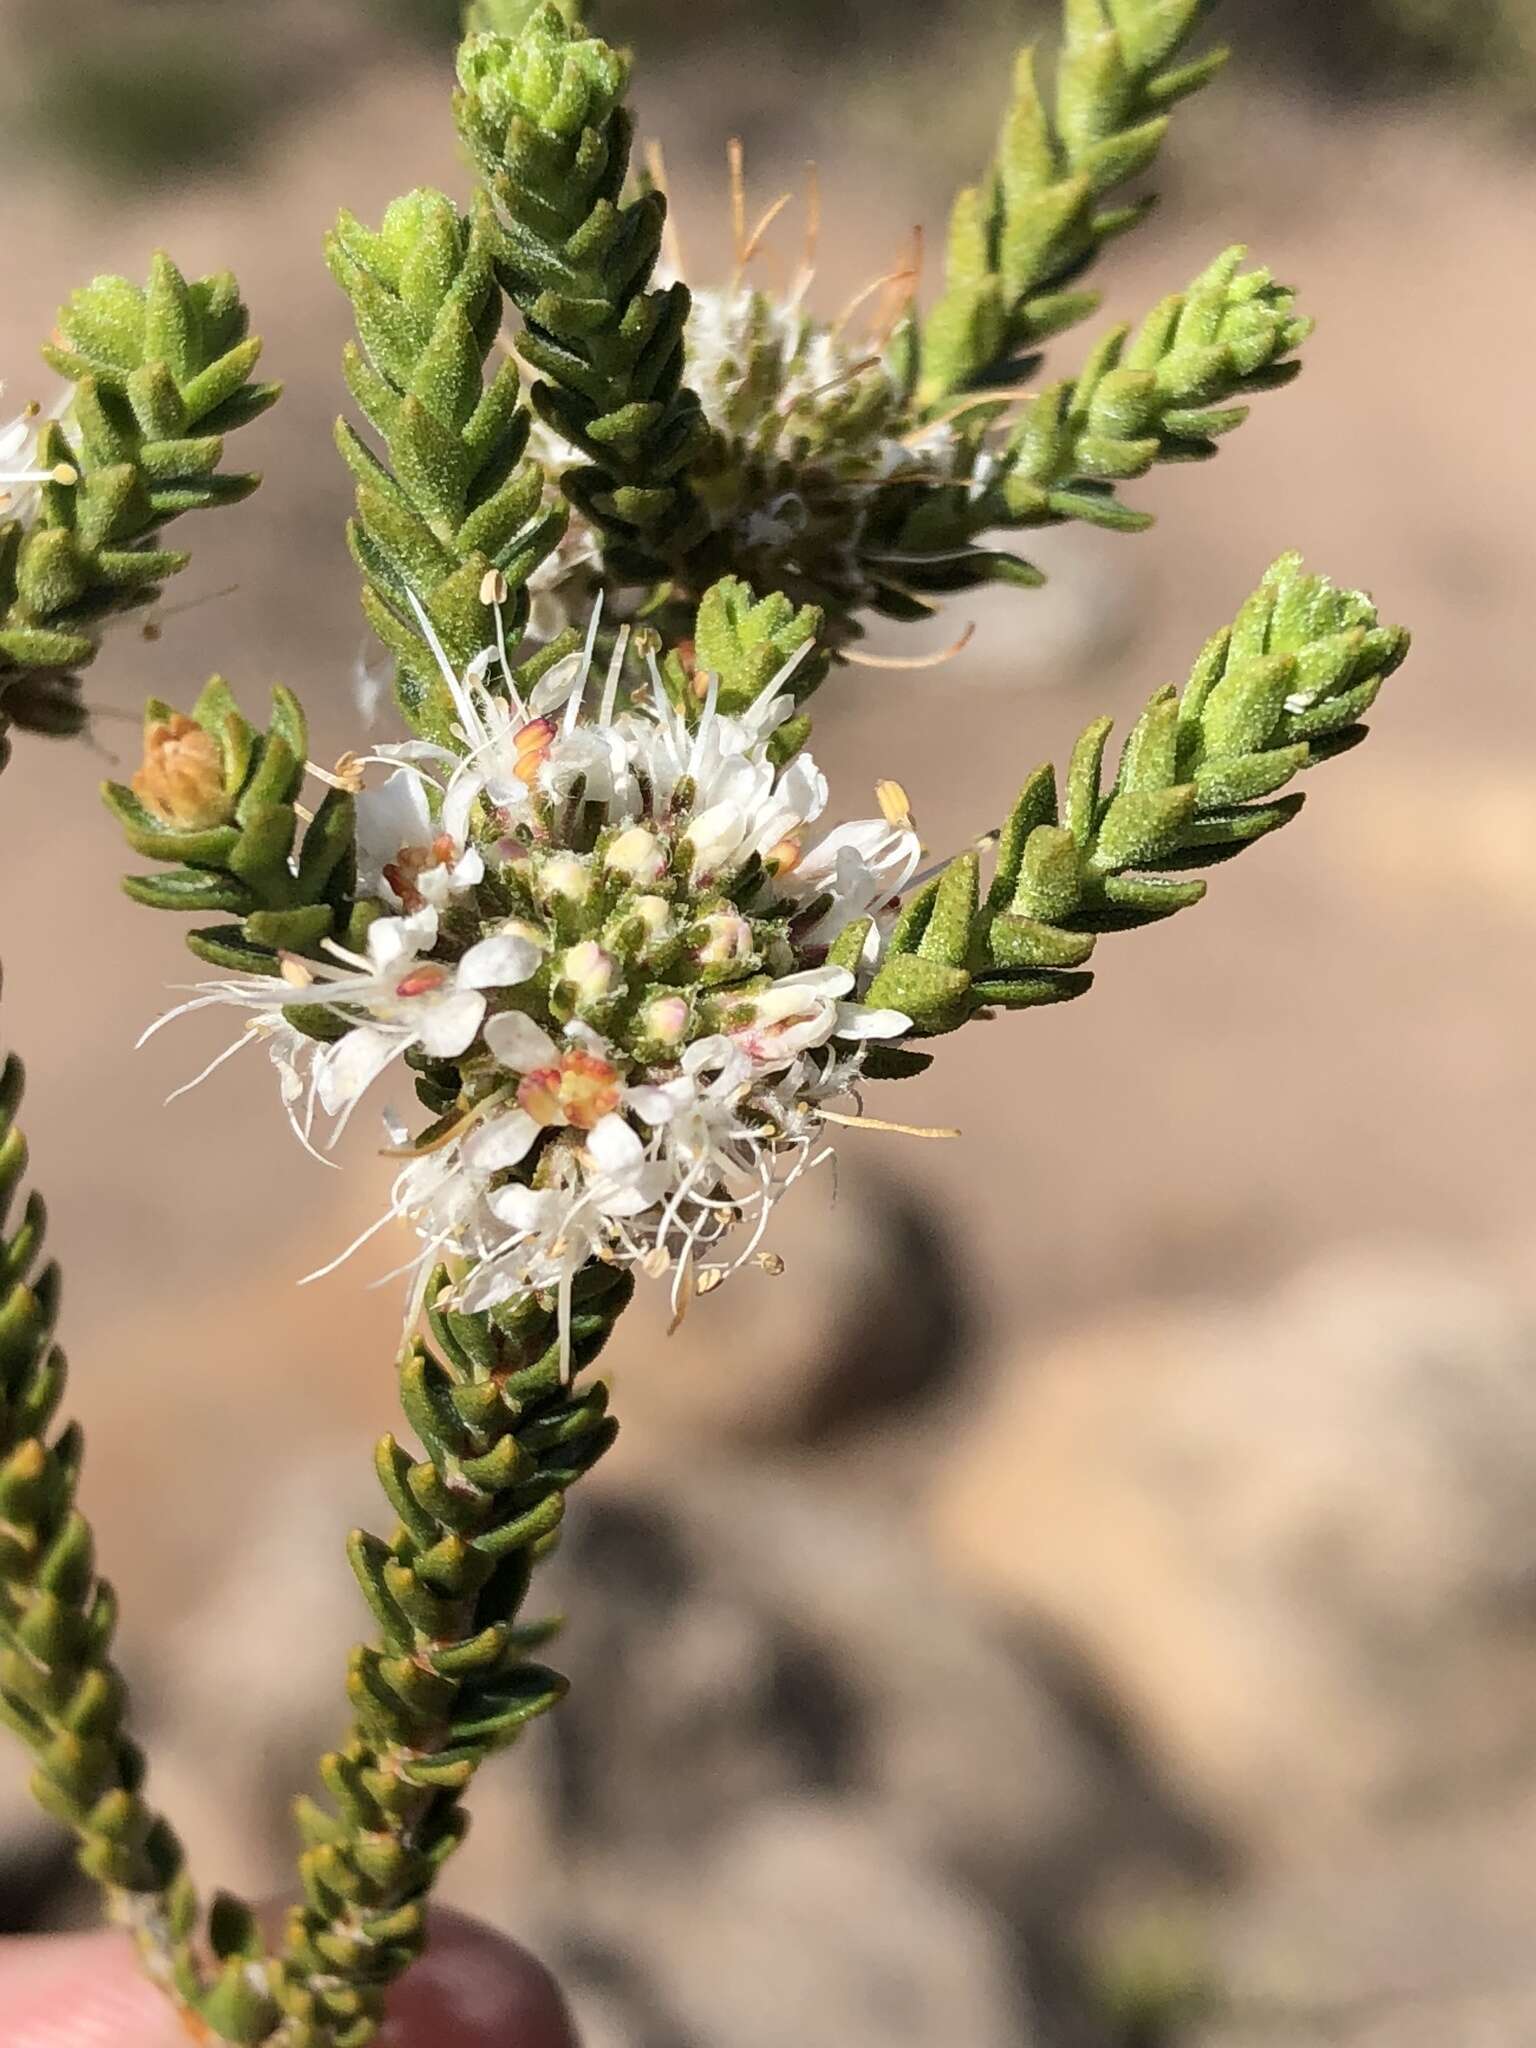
pixel 599 936
pixel 810 429
pixel 815 456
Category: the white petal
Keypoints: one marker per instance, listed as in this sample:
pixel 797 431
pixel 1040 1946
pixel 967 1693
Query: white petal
pixel 498 962
pixel 805 787
pixel 463 794
pixel 829 982
pixel 519 1043
pixel 614 1147
pixel 552 690
pixel 393 939
pixel 505 1142
pixel 525 1209
pixel 707 1052
pixel 345 1069
pixel 487 1287
pixel 714 835
pixel 867 837
pixel 854 1020
pixel 731 1066
pixel 412 750
pixel 658 1105
pixel 448 1023
pixel 632 1198
pixel 394 815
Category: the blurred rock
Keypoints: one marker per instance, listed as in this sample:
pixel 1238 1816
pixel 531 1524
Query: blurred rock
pixel 1416 1938
pixel 870 1317
pixel 808 1929
pixel 802 1789
pixel 1299 1537
pixel 812 1695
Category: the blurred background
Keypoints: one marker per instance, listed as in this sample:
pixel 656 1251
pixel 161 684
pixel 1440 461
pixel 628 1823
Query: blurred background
pixel 1091 1602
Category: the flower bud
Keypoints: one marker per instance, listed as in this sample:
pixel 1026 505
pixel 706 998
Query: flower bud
pixel 182 777
pixel 589 971
pixel 665 1019
pixel 565 877
pixel 654 912
pixel 784 858
pixel 638 855
pixel 722 937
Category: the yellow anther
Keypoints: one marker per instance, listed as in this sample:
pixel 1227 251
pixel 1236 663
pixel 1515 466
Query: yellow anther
pixel 895 804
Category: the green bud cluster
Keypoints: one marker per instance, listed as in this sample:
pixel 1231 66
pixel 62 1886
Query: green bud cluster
pixel 456 520
pixel 542 114
pixel 161 375
pixel 220 800
pixel 1021 238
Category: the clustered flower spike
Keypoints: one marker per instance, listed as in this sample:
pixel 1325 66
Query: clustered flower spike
pixel 600 932
pixel 599 926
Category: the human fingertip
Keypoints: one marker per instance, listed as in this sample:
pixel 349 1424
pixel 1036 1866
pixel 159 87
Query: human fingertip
pixel 474 1988
pixel 79 1991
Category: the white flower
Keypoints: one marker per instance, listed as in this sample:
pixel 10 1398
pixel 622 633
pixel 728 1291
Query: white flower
pixel 572 1085
pixel 516 753
pixel 863 867
pixel 410 1000
pixel 658 1174
pixel 800 1012
pixel 599 1185
pixel 619 1180
pixel 733 1141
pixel 407 998
pixel 724 758
pixel 405 856
pixel 756 809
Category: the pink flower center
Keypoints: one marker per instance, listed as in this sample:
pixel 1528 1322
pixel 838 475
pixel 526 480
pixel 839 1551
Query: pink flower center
pixel 580 1091
pixel 404 872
